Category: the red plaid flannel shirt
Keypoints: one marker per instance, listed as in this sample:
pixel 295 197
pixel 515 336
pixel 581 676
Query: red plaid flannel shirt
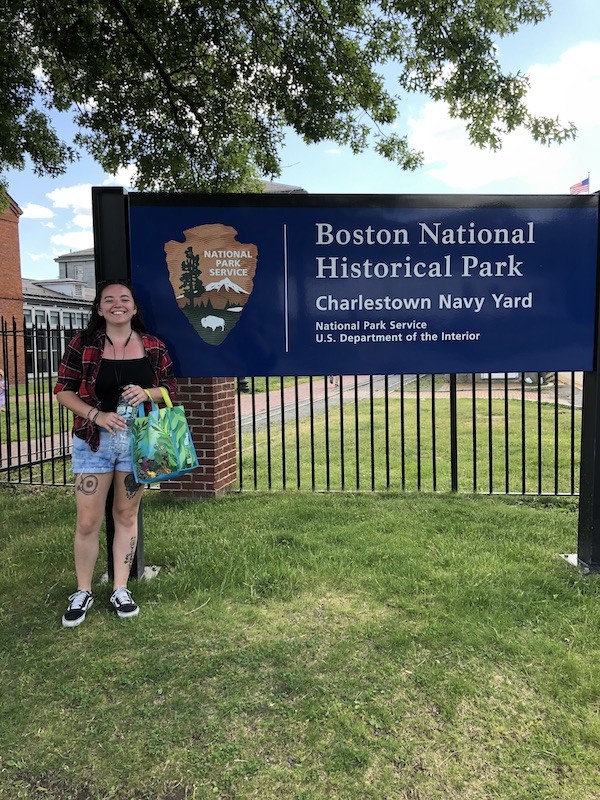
pixel 79 368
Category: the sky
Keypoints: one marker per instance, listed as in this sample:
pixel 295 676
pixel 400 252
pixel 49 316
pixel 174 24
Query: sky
pixel 561 56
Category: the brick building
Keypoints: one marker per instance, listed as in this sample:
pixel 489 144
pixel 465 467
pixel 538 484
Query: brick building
pixel 11 290
pixel 12 350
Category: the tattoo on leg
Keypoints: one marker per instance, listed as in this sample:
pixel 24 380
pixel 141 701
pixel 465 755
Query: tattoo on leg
pixel 131 486
pixel 87 484
pixel 130 555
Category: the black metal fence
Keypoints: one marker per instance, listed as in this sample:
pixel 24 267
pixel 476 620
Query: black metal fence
pixel 34 428
pixel 500 434
pixel 513 433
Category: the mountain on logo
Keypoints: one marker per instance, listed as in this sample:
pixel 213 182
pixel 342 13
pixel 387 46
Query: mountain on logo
pixel 212 277
pixel 225 284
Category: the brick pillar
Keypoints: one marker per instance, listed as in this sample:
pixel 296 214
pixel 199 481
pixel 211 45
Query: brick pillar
pixel 210 410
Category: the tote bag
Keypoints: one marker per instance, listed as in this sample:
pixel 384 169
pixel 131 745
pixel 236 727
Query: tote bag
pixel 161 443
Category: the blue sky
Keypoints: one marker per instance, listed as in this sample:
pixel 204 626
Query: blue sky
pixel 561 56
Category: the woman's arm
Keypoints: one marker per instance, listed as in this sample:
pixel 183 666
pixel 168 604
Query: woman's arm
pixel 109 420
pixel 74 403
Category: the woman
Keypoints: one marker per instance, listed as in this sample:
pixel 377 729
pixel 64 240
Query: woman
pixel 114 358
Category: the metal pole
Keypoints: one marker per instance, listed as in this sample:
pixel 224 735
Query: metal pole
pixel 588 540
pixel 112 261
pixel 453 435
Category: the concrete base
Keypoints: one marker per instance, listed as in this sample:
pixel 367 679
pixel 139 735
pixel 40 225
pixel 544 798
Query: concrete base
pixel 573 561
pixel 149 573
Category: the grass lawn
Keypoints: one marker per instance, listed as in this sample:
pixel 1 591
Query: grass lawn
pixel 502 446
pixel 305 646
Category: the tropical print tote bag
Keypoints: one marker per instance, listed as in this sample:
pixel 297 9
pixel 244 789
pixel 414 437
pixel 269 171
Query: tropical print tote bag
pixel 161 443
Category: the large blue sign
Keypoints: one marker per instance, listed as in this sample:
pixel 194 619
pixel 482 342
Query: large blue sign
pixel 328 284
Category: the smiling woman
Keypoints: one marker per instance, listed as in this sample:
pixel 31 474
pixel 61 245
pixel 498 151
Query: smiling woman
pixel 106 371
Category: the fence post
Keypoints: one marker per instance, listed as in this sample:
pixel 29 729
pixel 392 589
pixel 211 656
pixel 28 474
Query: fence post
pixel 112 261
pixel 453 435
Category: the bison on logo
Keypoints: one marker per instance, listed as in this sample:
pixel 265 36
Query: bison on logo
pixel 212 276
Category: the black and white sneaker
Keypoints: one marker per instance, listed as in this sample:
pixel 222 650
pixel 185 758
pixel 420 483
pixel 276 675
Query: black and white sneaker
pixel 79 604
pixel 123 603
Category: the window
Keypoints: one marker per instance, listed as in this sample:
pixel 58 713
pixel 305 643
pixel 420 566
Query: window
pixel 29 352
pixel 55 350
pixel 41 350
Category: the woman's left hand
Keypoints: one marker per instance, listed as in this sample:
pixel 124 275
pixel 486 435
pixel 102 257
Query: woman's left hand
pixel 134 394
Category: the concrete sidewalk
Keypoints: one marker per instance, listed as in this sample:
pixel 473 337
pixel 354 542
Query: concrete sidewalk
pixel 253 407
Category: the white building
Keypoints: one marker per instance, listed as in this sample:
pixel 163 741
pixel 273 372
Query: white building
pixel 78 266
pixel 52 311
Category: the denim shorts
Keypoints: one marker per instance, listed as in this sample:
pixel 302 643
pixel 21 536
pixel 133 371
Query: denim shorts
pixel 114 453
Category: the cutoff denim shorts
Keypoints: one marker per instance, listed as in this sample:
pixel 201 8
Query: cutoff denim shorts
pixel 114 453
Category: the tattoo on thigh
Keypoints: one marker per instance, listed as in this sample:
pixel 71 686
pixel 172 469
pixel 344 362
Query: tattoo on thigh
pixel 130 555
pixel 87 484
pixel 131 486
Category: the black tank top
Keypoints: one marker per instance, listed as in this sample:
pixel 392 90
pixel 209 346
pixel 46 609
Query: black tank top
pixel 113 375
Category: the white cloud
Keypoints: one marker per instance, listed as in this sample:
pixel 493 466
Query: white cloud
pixel 124 177
pixel 34 211
pixel 39 271
pixel 333 151
pixel 77 198
pixel 570 87
pixel 77 240
pixel 82 220
pixel 565 89
pixel 39 256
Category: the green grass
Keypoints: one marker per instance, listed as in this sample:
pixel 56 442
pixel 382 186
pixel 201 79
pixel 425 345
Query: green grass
pixel 404 444
pixel 305 646
pixel 275 384
pixel 32 411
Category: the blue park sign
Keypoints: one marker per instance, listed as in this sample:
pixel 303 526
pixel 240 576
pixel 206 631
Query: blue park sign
pixel 329 284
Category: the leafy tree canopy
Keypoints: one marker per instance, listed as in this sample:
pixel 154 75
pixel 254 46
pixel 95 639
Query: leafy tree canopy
pixel 197 94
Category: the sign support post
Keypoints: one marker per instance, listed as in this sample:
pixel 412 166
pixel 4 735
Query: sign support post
pixel 588 541
pixel 588 533
pixel 112 261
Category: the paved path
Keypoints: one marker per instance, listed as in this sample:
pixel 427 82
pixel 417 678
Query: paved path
pixel 324 392
pixel 253 407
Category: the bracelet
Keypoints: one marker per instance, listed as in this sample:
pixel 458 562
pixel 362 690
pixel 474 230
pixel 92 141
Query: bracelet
pixel 95 416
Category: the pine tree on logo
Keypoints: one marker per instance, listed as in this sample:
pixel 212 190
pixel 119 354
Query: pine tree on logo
pixel 191 285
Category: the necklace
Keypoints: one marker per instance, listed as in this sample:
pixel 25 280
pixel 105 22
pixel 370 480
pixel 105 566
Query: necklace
pixel 127 340
pixel 119 370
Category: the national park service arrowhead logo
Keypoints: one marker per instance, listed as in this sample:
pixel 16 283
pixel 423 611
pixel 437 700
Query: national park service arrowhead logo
pixel 212 276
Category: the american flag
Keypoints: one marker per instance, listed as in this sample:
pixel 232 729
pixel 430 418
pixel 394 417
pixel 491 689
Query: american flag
pixel 581 187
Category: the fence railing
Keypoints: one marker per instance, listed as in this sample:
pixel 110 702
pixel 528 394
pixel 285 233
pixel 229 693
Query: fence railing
pixel 466 433
pixel 496 434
